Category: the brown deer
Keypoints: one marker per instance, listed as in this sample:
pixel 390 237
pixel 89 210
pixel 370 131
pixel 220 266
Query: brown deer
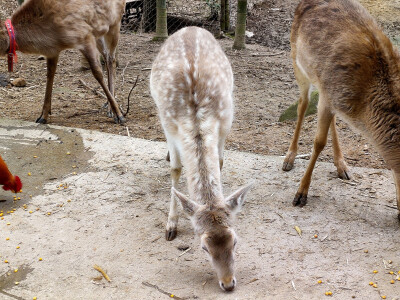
pixel 192 84
pixel 338 47
pixel 48 27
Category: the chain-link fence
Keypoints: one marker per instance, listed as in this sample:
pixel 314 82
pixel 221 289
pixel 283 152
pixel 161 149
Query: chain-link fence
pixel 141 15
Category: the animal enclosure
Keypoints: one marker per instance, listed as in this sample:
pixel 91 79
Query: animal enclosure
pixel 119 196
pixel 140 15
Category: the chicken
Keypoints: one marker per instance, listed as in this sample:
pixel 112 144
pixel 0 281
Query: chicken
pixel 9 182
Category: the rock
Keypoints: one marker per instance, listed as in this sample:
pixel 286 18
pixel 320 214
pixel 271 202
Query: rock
pixel 41 57
pixel 3 79
pixel 19 82
pixel 249 34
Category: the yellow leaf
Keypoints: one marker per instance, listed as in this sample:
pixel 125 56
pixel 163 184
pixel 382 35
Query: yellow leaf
pixel 298 230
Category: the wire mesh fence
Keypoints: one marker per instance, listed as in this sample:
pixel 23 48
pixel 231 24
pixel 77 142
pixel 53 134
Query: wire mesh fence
pixel 141 15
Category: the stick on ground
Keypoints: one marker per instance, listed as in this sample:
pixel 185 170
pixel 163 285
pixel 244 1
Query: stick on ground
pixel 92 89
pixel 145 283
pixel 98 268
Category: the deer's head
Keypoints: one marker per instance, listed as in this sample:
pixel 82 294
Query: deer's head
pixel 4 39
pixel 213 223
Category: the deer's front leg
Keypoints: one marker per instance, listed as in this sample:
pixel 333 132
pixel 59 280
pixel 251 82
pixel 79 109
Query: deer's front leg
pixel 396 177
pixel 51 71
pixel 324 120
pixel 304 87
pixel 172 224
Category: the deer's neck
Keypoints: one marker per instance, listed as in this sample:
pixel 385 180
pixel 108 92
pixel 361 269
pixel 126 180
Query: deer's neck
pixel 34 31
pixel 203 173
pixel 384 119
pixel 35 39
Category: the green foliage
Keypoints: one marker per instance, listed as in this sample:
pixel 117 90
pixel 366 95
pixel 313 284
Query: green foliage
pixel 291 112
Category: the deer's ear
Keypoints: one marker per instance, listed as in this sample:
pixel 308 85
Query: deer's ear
pixel 235 201
pixel 189 207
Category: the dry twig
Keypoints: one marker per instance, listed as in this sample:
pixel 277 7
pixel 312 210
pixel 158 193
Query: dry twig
pixel 184 252
pixel 84 113
pixel 145 283
pixel 267 54
pixel 92 89
pixel 98 268
pixel 123 74
pixel 129 96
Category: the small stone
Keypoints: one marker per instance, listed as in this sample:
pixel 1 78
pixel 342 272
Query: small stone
pixel 19 82
pixel 183 247
pixel 3 80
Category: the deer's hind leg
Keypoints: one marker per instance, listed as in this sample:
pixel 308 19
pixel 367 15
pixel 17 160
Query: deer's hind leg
pixel 340 163
pixel 304 86
pixel 89 51
pixel 111 40
pixel 106 52
pixel 176 170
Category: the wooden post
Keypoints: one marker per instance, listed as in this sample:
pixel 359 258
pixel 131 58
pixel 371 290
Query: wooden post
pixel 240 32
pixel 227 15
pixel 222 19
pixel 161 26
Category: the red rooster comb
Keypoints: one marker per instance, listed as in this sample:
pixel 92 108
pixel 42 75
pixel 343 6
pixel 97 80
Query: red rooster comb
pixel 13 185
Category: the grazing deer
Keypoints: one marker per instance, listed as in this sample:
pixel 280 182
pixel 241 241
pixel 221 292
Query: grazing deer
pixel 48 27
pixel 192 84
pixel 338 47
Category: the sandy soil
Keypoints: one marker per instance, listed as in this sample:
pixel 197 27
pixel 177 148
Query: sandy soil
pixel 112 212
pixel 265 87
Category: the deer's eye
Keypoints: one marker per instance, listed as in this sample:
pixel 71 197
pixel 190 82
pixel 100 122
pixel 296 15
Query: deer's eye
pixel 205 248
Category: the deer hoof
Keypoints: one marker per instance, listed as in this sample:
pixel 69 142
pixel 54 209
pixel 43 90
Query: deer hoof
pixel 287 166
pixel 170 234
pixel 300 200
pixel 40 120
pixel 345 175
pixel 119 120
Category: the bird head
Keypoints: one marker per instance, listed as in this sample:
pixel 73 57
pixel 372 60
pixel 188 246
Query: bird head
pixel 14 185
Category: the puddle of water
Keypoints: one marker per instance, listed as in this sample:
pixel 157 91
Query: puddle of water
pixel 7 280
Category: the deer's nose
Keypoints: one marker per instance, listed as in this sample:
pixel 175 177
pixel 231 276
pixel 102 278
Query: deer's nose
pixel 228 284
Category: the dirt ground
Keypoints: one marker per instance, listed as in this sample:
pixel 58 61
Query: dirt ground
pixel 111 210
pixel 265 87
pixel 119 194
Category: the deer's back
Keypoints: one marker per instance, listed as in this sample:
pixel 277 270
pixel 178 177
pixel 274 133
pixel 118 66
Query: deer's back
pixel 70 20
pixel 192 83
